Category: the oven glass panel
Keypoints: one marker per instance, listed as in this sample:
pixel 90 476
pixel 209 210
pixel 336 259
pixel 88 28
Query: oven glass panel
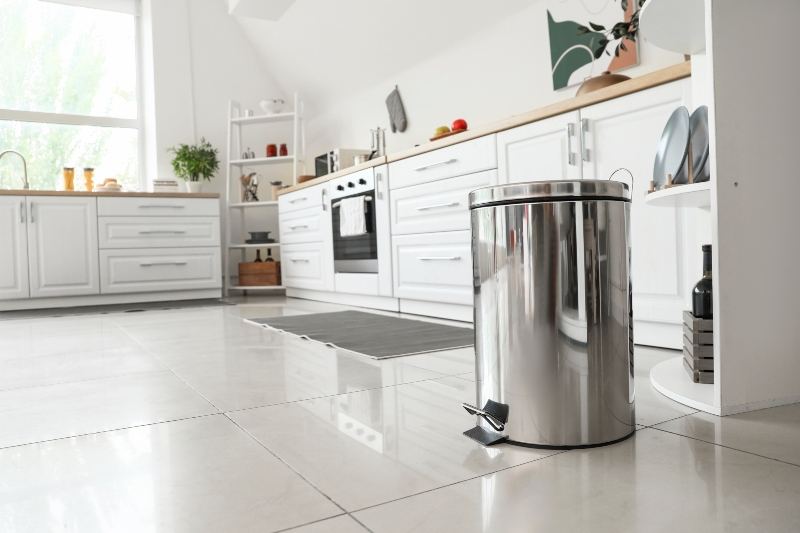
pixel 359 247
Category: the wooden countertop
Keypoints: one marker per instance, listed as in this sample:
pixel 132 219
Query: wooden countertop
pixel 122 194
pixel 646 81
pixel 327 177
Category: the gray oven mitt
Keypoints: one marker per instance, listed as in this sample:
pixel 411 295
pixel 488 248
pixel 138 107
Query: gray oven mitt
pixel 397 113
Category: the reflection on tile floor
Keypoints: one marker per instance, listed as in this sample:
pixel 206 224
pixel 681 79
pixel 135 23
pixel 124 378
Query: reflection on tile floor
pixel 189 420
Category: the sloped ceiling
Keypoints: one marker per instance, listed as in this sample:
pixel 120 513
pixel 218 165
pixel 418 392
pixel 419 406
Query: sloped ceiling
pixel 328 49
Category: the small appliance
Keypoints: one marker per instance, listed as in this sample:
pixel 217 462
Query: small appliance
pixel 335 160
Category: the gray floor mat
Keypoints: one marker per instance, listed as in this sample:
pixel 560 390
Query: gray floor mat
pixel 371 334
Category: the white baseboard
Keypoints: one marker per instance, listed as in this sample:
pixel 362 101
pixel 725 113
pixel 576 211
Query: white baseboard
pixel 383 303
pixel 462 313
pixel 107 299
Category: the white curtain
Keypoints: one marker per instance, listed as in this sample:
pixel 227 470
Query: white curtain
pixel 121 6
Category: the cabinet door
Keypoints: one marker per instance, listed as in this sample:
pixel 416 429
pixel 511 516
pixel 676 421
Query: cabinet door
pixel 624 133
pixel 62 244
pixel 543 150
pixel 14 246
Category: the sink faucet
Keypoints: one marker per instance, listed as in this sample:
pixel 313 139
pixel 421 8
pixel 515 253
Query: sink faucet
pixel 25 184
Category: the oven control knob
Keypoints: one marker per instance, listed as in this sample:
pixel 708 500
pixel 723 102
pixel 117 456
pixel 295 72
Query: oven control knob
pixel 351 184
pixel 340 187
pixel 362 181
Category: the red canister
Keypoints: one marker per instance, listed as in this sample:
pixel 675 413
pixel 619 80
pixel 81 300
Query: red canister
pixel 283 151
pixel 272 150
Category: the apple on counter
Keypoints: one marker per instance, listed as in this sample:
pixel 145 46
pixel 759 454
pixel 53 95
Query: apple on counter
pixel 459 124
pixel 441 130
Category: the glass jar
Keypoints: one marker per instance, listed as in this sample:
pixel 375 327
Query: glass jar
pixel 69 179
pixel 283 151
pixel 88 177
pixel 272 150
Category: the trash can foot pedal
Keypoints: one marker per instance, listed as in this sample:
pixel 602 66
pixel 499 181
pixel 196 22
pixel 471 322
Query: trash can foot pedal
pixel 495 413
pixel 484 436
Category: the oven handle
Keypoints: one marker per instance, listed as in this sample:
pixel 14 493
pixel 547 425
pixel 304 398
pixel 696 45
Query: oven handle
pixel 334 205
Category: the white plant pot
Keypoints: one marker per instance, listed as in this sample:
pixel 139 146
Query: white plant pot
pixel 194 186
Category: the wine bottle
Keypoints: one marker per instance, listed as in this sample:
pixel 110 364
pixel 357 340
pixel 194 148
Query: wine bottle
pixel 269 256
pixel 258 256
pixel 702 300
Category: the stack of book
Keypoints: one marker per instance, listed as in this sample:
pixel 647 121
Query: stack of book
pixel 698 347
pixel 164 185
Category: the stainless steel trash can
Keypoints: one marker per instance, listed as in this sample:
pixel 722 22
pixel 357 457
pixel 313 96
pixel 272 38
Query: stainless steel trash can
pixel 553 318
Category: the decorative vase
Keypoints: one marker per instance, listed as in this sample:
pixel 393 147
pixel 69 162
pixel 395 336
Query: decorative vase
pixel 194 186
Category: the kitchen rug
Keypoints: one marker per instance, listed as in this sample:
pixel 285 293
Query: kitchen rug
pixel 110 308
pixel 373 335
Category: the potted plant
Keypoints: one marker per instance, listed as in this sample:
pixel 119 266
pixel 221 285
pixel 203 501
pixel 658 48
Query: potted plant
pixel 195 162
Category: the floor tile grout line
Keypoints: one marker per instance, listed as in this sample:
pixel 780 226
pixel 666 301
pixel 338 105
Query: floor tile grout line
pixel 557 452
pixel 726 447
pixel 100 432
pixel 669 420
pixel 89 380
pixel 306 524
pixel 290 467
pixel 291 402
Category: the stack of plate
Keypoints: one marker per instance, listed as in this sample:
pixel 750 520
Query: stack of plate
pixel 164 185
pixel 683 149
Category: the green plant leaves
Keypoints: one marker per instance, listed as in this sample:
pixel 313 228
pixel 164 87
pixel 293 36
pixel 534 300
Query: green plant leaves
pixel 193 162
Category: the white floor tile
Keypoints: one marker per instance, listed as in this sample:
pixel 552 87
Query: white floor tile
pixel 55 411
pixel 191 476
pixel 654 481
pixel 340 524
pixel 373 446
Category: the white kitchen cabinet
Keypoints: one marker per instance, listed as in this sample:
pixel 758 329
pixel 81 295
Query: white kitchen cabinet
pixel 545 150
pixel 160 269
pixel 441 205
pixel 434 267
pixel 307 266
pixel 62 246
pixel 666 262
pixel 158 232
pixel 14 246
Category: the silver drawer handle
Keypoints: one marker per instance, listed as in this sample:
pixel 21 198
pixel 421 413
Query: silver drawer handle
pixel 163 263
pixel 435 258
pixel 161 231
pixel 437 206
pixel 433 165
pixel 299 260
pixel 165 206
pixel 296 200
pixel 302 226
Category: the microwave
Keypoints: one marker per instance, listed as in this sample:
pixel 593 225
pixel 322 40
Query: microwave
pixel 335 160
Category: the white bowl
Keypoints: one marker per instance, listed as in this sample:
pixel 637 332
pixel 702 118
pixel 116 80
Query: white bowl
pixel 272 106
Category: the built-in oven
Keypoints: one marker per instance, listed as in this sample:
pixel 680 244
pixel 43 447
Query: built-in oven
pixel 356 253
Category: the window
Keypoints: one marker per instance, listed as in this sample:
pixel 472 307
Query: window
pixel 68 93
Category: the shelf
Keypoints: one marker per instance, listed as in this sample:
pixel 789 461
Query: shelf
pixel 263 119
pixel 264 245
pixel 675 25
pixel 243 205
pixel 258 161
pixel 670 379
pixel 256 287
pixel 689 195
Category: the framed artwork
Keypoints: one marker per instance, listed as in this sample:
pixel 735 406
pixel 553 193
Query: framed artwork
pixel 579 31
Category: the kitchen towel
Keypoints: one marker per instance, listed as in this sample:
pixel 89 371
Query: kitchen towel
pixel 352 221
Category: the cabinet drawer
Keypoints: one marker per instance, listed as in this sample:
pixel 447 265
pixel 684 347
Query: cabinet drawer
pixel 439 206
pixel 158 232
pixel 457 160
pixel 434 267
pixel 131 207
pixel 304 266
pixel 302 199
pixel 159 269
pixel 305 225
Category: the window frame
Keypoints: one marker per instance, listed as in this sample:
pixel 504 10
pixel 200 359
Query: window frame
pixel 71 119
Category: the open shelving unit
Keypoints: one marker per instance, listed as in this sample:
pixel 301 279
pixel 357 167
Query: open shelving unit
pixel 688 195
pixel 236 208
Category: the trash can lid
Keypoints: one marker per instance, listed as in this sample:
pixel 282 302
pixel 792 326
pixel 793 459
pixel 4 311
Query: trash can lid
pixel 550 191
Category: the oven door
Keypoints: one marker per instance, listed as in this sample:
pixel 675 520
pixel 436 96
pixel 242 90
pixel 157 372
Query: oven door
pixel 357 253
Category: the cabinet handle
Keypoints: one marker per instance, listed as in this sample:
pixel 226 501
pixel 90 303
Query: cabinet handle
pixel 164 206
pixel 435 258
pixel 299 260
pixel 436 206
pixel 161 231
pixel 379 180
pixel 296 200
pixel 22 212
pixel 31 206
pixel 585 153
pixel 433 165
pixel 570 134
pixel 324 192
pixel 163 263
pixel 302 226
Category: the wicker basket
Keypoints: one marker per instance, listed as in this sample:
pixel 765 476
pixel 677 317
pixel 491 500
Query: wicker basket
pixel 260 274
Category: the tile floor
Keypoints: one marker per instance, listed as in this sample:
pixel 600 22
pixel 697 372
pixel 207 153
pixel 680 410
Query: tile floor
pixel 193 421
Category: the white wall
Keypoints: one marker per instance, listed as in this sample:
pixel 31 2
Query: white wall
pixel 501 71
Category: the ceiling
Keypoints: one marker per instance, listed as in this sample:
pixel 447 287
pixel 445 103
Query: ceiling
pixel 330 49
